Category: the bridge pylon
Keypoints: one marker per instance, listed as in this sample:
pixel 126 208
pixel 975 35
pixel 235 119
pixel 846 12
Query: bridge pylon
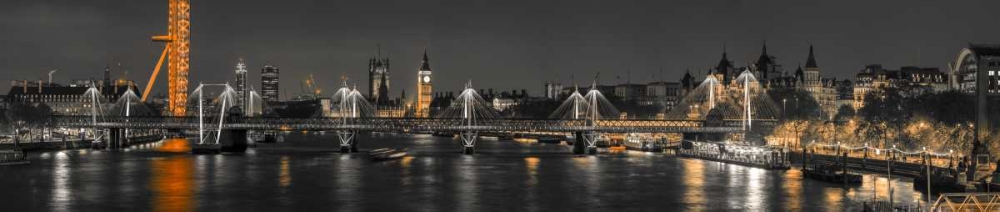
pixel 348 140
pixel 469 141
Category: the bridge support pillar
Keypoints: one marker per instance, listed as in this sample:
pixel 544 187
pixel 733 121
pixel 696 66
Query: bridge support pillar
pixel 117 138
pixel 591 139
pixel 469 142
pixel 347 140
pixel 235 141
pixel 579 145
pixel 354 144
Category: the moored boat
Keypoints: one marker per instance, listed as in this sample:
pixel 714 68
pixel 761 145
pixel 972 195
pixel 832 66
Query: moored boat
pixel 832 173
pixel 13 157
pixel 639 143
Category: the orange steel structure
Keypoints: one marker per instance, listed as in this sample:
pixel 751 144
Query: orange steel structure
pixel 178 51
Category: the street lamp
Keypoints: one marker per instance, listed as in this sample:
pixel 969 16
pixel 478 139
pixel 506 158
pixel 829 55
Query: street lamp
pixel 888 165
pixel 928 176
pixel 783 102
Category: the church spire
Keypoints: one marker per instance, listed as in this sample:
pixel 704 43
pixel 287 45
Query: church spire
pixel 764 48
pixel 811 62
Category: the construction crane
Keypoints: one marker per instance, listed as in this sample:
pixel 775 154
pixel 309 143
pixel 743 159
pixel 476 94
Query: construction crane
pixel 311 84
pixel 309 89
pixel 178 48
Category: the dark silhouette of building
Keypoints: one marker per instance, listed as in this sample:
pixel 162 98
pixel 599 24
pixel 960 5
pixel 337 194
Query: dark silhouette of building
pixel 269 83
pixel 378 78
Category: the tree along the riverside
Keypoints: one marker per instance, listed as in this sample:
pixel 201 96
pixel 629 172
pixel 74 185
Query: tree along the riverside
pixel 844 113
pixel 23 116
pixel 796 104
pixel 885 113
pixel 799 111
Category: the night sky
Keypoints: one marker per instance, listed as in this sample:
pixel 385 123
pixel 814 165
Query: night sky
pixel 497 44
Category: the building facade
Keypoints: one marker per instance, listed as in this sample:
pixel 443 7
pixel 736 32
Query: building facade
pixel 977 71
pixel 64 99
pixel 553 90
pixel 242 86
pixel 912 80
pixel 269 83
pixel 378 78
pixel 766 67
pixel 977 62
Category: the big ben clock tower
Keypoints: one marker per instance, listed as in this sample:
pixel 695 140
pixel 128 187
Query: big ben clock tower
pixel 424 89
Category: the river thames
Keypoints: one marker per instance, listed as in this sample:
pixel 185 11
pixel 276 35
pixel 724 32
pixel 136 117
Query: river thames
pixel 306 173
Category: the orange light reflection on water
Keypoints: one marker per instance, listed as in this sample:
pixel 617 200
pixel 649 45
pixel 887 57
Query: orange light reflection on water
pixel 694 181
pixel 176 145
pixel 532 164
pixel 173 184
pixel 793 190
pixel 285 177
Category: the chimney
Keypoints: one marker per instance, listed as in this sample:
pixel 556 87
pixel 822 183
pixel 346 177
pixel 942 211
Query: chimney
pixel 25 86
pixel 40 86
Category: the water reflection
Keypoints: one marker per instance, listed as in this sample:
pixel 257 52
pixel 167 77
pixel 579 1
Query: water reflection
pixel 172 184
pixel 405 164
pixel 833 197
pixel 532 165
pixel 285 177
pixel 468 189
pixel 279 178
pixel 694 181
pixel 61 191
pixel 793 189
pixel 178 145
pixel 348 180
pixel 755 188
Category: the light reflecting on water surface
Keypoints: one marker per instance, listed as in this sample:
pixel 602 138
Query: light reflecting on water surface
pixel 61 190
pixel 308 173
pixel 173 183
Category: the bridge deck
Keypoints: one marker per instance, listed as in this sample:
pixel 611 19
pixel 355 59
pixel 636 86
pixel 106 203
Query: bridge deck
pixel 398 124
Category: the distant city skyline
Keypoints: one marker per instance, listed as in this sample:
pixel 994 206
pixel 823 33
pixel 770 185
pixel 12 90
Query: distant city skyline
pixel 502 45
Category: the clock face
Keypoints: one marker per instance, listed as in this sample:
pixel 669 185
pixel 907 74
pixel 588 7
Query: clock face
pixel 427 79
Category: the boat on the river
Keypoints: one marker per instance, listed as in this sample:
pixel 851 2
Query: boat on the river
pixel 443 134
pixel 13 157
pixel 385 154
pixel 636 142
pixel 766 157
pixel 97 144
pixel 831 173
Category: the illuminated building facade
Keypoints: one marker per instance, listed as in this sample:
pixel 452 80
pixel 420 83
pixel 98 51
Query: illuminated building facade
pixel 424 89
pixel 269 83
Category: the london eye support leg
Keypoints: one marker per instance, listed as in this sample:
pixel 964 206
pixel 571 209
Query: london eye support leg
pixel 469 142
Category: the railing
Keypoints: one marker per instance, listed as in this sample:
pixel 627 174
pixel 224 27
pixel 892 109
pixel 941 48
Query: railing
pixel 886 206
pixel 399 124
pixel 967 202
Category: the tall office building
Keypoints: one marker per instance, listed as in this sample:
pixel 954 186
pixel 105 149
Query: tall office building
pixel 269 83
pixel 242 88
pixel 424 88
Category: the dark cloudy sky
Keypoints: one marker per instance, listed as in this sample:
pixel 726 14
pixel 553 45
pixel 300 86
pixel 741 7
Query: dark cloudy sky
pixel 500 44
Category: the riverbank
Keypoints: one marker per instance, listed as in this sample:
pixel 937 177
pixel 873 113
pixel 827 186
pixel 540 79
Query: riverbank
pixel 72 144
